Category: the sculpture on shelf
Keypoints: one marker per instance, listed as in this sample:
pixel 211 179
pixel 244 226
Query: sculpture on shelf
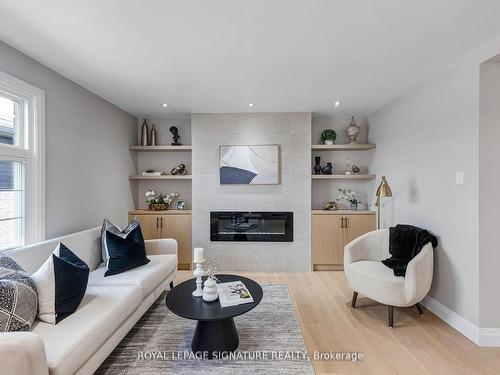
pixel 144 134
pixel 355 169
pixel 179 170
pixel 327 169
pixel 317 166
pixel 175 135
pixel 353 131
pixel 331 206
pixel 153 136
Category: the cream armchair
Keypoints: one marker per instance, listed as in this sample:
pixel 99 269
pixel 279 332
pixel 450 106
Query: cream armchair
pixel 367 275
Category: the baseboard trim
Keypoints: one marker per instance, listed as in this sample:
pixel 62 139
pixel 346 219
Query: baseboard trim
pixel 489 337
pixel 462 325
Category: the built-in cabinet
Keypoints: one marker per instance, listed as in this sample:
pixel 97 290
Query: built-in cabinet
pixel 332 230
pixel 174 224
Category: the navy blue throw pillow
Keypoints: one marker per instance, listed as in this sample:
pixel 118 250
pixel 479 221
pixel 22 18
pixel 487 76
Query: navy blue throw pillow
pixel 71 276
pixel 125 250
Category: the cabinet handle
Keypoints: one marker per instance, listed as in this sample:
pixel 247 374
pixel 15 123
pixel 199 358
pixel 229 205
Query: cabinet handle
pixel 157 222
pixel 346 222
pixel 161 223
pixel 341 222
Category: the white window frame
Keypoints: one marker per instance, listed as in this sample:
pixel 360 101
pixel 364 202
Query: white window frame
pixel 31 150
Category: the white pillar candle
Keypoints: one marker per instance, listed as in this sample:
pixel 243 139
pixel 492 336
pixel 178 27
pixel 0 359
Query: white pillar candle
pixel 198 255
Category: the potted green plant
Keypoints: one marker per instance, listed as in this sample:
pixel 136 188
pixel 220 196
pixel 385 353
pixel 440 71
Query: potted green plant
pixel 329 136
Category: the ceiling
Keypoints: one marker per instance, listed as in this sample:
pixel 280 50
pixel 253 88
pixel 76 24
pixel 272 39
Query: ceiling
pixel 220 55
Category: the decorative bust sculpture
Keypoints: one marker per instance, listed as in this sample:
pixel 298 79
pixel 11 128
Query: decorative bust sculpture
pixel 353 131
pixel 175 134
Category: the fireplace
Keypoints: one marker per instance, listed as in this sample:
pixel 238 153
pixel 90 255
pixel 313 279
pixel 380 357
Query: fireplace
pixel 251 226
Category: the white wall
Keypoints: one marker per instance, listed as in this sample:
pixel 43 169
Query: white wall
pixel 489 183
pixel 292 131
pixel 87 157
pixel 165 161
pixel 422 139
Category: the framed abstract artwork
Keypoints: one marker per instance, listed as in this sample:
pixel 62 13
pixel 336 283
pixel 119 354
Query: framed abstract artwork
pixel 249 165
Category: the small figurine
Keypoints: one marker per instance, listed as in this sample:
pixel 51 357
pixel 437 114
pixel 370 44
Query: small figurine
pixel 353 131
pixel 327 169
pixel 179 170
pixel 317 166
pixel 175 134
pixel 355 169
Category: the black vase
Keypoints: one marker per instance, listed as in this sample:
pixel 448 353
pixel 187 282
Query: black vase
pixel 327 169
pixel 317 167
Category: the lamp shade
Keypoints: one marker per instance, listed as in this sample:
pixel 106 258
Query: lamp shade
pixel 384 190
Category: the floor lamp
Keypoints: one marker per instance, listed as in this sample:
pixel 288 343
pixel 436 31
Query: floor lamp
pixel 383 191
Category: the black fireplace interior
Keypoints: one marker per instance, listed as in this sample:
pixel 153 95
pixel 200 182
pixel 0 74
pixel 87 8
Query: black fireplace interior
pixel 251 226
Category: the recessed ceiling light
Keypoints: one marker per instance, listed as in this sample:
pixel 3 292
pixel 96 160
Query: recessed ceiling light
pixel 337 102
pixel 251 104
pixel 164 105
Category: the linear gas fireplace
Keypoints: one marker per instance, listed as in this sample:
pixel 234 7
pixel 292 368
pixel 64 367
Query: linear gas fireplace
pixel 251 226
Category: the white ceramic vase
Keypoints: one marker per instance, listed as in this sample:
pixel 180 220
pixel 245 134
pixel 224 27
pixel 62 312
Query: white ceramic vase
pixel 210 290
pixel 329 142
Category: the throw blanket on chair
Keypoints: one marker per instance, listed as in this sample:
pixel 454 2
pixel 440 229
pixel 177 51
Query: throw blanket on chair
pixel 405 242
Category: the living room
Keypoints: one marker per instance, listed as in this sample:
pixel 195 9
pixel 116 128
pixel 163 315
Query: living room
pixel 237 187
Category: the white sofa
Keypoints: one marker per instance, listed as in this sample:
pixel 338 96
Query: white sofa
pixel 367 275
pixel 110 308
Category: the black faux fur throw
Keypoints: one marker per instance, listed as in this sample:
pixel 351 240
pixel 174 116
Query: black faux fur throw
pixel 405 242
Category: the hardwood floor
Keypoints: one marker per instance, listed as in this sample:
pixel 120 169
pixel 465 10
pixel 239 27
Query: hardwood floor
pixel 418 344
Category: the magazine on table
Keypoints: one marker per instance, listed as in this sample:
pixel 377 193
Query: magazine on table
pixel 233 293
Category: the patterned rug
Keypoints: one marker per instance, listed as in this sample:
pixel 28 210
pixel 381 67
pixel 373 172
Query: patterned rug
pixel 160 343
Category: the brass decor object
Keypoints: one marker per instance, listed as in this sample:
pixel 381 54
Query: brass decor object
pixel 153 136
pixel 383 191
pixel 144 134
pixel 331 206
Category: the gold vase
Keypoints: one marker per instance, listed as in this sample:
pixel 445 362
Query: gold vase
pixel 144 134
pixel 153 136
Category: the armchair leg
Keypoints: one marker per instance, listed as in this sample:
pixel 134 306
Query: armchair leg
pixel 354 297
pixel 390 310
pixel 419 308
pixel 171 285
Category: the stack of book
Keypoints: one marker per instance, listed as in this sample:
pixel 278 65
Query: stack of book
pixel 233 293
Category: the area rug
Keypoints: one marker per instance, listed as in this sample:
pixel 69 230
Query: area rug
pixel 160 343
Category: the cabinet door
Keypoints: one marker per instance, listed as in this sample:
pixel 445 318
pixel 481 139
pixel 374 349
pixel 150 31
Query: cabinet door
pixel 327 242
pixel 178 227
pixel 149 226
pixel 357 225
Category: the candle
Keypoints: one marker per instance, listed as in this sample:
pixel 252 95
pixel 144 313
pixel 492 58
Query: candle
pixel 198 255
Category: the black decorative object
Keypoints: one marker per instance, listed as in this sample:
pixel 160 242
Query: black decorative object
pixel 175 135
pixel 179 170
pixel 251 226
pixel 327 169
pixel 355 169
pixel 215 330
pixel 317 166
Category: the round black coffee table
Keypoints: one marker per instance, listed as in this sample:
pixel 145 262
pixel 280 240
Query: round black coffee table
pixel 215 330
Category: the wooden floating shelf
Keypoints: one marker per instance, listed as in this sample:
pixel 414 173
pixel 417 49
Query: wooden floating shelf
pixel 171 211
pixel 160 148
pixel 167 177
pixel 343 176
pixel 354 147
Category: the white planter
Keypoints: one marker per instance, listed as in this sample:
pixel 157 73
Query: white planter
pixel 210 290
pixel 329 142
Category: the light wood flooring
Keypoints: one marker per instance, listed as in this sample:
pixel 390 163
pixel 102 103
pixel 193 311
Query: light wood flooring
pixel 416 345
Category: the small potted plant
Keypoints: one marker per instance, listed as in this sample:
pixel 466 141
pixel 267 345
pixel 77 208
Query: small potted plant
pixel 160 202
pixel 329 136
pixel 350 196
pixel 210 285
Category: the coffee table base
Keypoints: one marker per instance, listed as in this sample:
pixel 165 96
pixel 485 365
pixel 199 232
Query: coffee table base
pixel 215 336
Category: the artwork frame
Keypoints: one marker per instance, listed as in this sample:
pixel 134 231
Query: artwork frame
pixel 249 164
pixel 181 204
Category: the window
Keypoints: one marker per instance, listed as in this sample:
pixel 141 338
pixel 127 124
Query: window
pixel 22 163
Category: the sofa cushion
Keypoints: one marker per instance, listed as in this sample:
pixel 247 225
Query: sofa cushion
pixel 71 342
pixel 147 277
pixel 372 278
pixel 61 283
pixel 18 300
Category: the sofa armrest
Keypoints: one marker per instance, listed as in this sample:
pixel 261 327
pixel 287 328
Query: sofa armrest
pixel 22 353
pixel 161 246
pixel 365 247
pixel 418 278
